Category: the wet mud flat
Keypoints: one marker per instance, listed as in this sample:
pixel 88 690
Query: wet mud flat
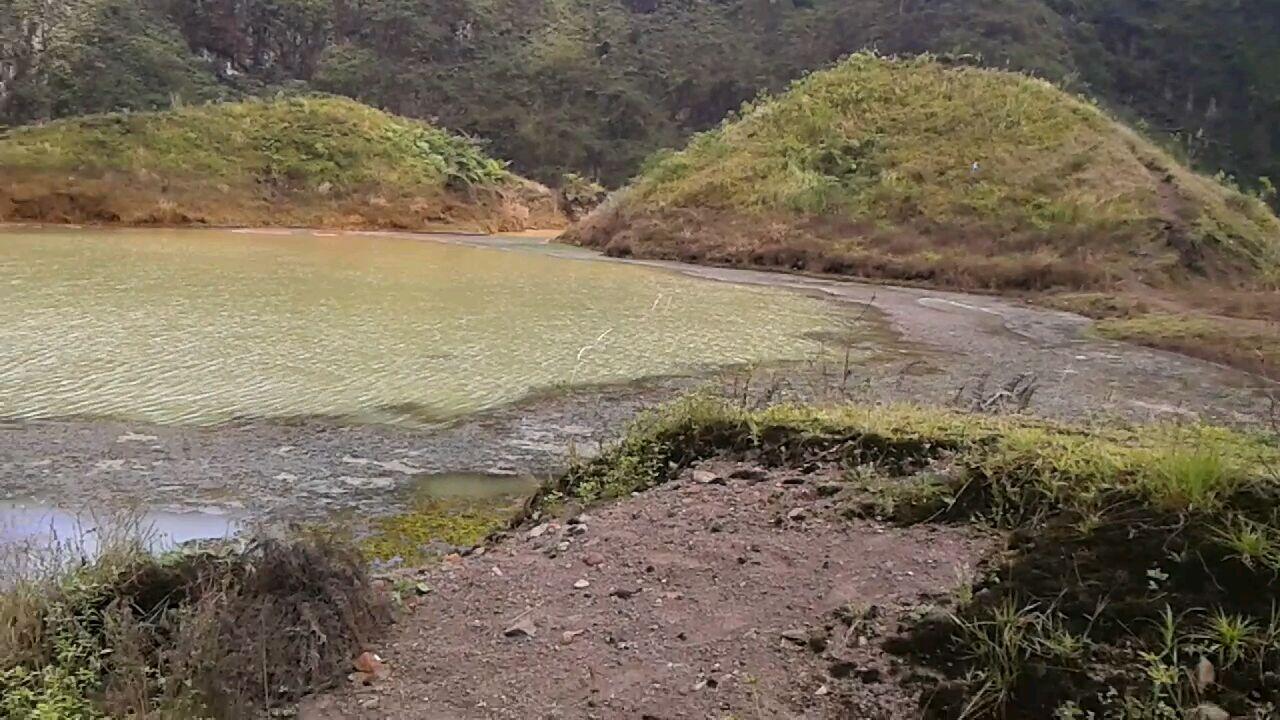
pixel 927 347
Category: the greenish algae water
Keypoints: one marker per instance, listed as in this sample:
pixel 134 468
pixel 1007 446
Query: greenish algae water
pixel 204 326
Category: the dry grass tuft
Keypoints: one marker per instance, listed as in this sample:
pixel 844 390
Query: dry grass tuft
pixel 187 634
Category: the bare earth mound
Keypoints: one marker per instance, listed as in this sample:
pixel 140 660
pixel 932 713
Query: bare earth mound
pixel 319 162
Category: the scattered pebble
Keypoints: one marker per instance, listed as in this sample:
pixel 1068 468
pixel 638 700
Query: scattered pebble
pixel 523 627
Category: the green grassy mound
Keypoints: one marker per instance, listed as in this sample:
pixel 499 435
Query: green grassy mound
pixel 1139 578
pixel 914 170
pixel 303 161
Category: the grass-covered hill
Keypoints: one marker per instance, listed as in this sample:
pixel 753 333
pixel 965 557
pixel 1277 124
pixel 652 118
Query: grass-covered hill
pixel 304 161
pixel 912 170
pixel 594 86
pixel 909 169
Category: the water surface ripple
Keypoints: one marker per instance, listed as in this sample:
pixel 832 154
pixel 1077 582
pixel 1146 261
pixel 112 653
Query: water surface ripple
pixel 202 326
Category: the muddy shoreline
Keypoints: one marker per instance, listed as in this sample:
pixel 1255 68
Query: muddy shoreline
pixel 923 346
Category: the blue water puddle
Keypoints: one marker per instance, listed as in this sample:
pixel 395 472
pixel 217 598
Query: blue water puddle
pixel 38 526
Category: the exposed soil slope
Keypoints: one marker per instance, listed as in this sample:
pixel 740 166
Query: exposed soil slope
pixel 303 162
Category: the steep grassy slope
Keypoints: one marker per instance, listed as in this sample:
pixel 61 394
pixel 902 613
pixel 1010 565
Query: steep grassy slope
pixel 594 86
pixel 315 161
pixel 963 177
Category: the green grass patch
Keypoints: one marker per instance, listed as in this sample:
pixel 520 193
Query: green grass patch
pixel 1253 345
pixel 454 522
pixel 1008 468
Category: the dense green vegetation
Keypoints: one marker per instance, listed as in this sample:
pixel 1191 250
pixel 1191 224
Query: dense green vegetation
pixel 594 86
pixel 911 169
pixel 299 161
pixel 1139 578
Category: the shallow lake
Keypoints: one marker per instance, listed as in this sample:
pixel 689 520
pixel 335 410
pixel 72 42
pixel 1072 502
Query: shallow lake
pixel 204 326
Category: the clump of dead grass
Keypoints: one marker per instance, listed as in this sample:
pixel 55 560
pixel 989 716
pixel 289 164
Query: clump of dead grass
pixel 210 633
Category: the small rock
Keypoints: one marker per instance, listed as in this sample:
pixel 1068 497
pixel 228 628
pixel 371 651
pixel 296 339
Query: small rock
pixel 497 571
pixel 524 627
pixel 562 545
pixel 1209 711
pixel 749 473
pixel 796 636
pixel 706 477
pixel 593 559
pixel 538 531
pixel 829 489
pixel 136 437
pixel 423 588
pixel 568 636
pixel 1204 675
pixel 822 691
pixel 623 593
pixel 367 483
pixel 841 669
pixel 582 585
pixel 797 514
pixel 817 641
pixel 370 665
pixel 580 529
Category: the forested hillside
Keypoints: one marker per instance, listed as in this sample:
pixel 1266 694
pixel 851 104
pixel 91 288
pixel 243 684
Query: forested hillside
pixel 595 86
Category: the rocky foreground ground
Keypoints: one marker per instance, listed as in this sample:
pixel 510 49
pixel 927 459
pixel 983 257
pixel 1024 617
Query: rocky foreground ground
pixel 735 591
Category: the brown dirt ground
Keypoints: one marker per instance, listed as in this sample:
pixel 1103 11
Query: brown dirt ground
pixel 702 599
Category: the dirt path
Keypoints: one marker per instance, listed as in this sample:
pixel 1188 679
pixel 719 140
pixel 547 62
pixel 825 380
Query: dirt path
pixel 740 597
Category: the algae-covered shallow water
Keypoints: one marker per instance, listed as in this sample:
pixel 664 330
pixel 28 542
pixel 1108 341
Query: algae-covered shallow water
pixel 203 326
